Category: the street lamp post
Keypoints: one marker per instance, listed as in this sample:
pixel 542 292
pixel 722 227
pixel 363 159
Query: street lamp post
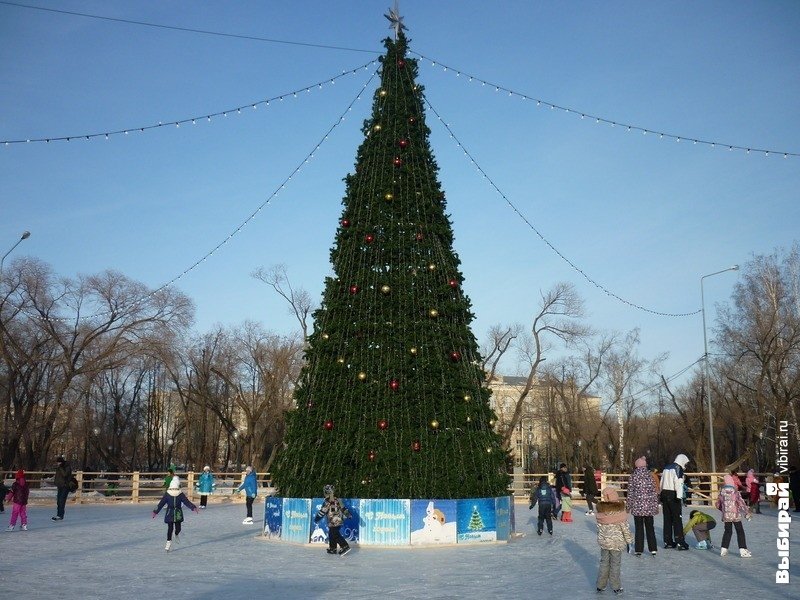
pixel 706 380
pixel 25 235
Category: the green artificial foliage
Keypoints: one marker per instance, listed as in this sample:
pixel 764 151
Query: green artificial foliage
pixel 392 401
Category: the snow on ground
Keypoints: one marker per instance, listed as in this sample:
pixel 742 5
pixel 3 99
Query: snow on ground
pixel 116 552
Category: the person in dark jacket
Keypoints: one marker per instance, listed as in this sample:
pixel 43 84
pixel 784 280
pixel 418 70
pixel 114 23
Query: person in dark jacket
pixel 174 499
pixel 335 512
pixel 589 488
pixel 546 498
pixel 563 479
pixel 62 479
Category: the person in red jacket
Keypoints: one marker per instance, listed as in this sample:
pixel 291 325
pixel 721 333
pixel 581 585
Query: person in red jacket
pixel 19 495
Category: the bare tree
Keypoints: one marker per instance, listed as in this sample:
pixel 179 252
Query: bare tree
pixel 299 300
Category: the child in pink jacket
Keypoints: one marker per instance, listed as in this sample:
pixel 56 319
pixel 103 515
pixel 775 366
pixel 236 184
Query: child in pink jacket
pixel 19 496
pixel 733 510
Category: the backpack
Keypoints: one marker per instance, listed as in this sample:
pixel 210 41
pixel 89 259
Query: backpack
pixel 72 485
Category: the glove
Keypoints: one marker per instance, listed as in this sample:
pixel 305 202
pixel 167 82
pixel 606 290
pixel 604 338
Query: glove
pixel 530 507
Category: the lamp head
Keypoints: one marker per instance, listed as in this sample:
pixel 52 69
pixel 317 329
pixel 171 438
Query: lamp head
pixel 25 235
pixel 735 268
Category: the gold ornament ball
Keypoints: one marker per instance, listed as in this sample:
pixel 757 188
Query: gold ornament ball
pixel 491 422
pixel 433 313
pixel 362 376
pixel 435 424
pixel 340 360
pixel 431 267
pixel 469 419
pixel 489 450
pixel 376 128
pixel 413 350
pixel 389 196
pixel 385 289
pixel 383 92
pixel 325 336
pixel 467 397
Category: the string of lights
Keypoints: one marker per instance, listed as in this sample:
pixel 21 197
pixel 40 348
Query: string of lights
pixel 519 213
pixel 185 29
pixel 255 212
pixel 193 120
pixel 613 123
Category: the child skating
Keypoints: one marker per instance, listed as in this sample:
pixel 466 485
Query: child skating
pixel 174 499
pixel 613 536
pixel 701 524
pixel 545 497
pixel 566 505
pixel 19 496
pixel 336 512
pixel 733 509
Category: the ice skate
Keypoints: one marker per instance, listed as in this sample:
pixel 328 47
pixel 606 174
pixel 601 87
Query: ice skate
pixel 168 546
pixel 702 545
pixel 590 513
pixel 539 531
pixel 723 552
pixel 619 591
pixel 329 551
pixel 683 546
pixel 10 528
pixel 25 528
pixel 743 552
pixel 344 551
pixel 247 521
pixel 654 553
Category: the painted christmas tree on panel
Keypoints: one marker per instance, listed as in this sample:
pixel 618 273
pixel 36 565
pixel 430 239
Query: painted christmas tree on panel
pixel 392 401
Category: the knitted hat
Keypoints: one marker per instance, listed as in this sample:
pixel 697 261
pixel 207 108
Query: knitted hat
pixel 640 462
pixel 175 484
pixel 206 468
pixel 728 480
pixel 565 490
pixel 20 474
pixel 249 469
pixel 610 494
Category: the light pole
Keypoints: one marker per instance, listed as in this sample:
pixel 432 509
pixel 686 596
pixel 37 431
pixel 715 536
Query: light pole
pixel 706 380
pixel 25 236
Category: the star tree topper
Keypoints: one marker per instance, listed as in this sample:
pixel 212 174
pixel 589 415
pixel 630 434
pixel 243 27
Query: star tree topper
pixel 395 19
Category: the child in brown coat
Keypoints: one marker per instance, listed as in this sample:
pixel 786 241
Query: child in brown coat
pixel 613 536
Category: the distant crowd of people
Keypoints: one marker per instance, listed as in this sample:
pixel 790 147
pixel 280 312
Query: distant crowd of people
pixel 647 494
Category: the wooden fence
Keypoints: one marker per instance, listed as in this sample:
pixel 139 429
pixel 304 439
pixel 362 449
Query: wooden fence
pixel 148 487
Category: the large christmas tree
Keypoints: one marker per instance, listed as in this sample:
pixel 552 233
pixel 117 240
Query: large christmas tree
pixel 392 401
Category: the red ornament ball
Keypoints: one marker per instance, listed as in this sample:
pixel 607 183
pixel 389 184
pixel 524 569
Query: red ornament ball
pixel 455 356
pixel 401 63
pixel 369 238
pixel 453 283
pixel 345 222
pixel 394 384
pixel 328 425
pixel 403 143
pixel 353 289
pixel 416 446
pixel 398 162
pixel 383 424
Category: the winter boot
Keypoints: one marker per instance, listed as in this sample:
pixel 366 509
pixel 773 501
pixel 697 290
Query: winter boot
pixel 168 546
pixel 745 553
pixel 723 552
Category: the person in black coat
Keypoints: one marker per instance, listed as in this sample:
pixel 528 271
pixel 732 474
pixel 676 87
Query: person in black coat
pixel 62 479
pixel 563 479
pixel 545 497
pixel 589 488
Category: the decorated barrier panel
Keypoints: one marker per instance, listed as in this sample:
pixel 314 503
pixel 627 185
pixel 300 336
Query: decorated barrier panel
pixel 394 522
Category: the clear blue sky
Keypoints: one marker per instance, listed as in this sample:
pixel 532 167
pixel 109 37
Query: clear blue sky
pixel 644 217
